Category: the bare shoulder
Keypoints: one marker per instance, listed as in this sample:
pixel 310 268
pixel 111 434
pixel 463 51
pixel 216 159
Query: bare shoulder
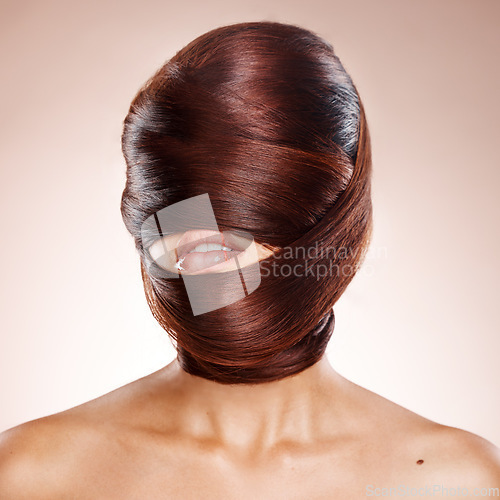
pixel 464 456
pixel 428 452
pixel 36 456
pixel 46 457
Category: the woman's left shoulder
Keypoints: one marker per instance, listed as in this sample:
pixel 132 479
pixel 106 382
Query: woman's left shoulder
pixel 438 454
pixel 448 455
pixel 464 454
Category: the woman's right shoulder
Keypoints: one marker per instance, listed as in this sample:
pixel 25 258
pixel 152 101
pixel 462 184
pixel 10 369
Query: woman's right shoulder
pixel 44 458
pixel 52 456
pixel 36 456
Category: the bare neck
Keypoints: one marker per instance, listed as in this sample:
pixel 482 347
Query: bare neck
pixel 251 418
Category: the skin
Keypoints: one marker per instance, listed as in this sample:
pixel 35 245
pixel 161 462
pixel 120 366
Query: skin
pixel 172 435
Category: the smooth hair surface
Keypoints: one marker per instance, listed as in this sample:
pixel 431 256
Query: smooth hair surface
pixel 264 118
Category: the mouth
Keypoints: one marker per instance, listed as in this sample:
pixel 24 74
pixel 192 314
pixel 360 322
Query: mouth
pixel 201 250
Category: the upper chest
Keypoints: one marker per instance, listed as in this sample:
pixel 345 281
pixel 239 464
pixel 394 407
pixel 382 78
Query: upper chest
pixel 184 473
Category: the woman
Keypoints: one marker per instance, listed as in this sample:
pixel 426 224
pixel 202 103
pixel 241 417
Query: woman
pixel 248 198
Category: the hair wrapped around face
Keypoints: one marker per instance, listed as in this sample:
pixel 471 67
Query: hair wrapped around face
pixel 264 118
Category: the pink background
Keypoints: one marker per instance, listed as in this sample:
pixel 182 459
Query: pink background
pixel 419 324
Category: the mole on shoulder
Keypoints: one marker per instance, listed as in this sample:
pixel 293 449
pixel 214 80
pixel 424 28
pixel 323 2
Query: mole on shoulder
pixel 420 462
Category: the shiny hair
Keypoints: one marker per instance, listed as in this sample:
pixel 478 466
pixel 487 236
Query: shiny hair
pixel 264 118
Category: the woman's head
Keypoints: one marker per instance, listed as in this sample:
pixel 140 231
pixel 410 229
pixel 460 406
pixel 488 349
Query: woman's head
pixel 263 119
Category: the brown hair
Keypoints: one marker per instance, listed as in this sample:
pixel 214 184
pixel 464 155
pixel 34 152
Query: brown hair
pixel 264 118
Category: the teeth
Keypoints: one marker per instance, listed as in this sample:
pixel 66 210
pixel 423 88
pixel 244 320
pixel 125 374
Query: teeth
pixel 209 247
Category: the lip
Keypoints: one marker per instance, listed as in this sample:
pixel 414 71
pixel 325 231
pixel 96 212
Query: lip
pixel 191 239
